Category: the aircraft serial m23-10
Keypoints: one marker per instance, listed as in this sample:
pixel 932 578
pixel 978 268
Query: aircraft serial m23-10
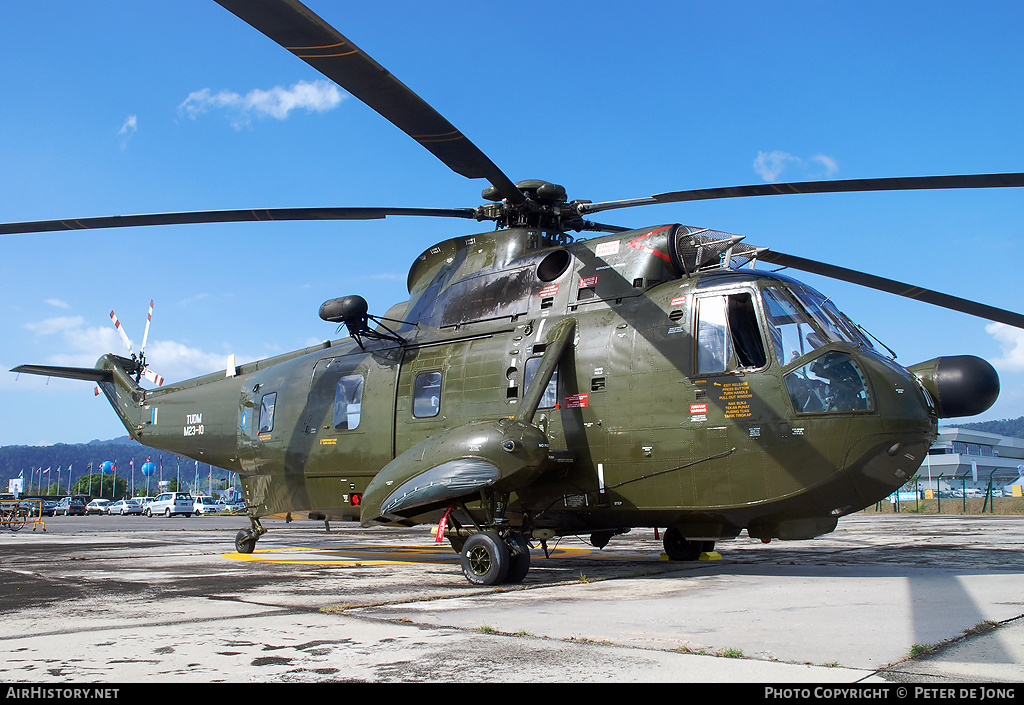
pixel 536 386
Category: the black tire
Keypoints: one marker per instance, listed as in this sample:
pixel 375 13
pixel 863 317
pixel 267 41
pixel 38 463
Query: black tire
pixel 679 549
pixel 485 559
pixel 245 541
pixel 167 513
pixel 520 558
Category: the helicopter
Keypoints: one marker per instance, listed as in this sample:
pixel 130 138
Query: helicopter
pixel 538 385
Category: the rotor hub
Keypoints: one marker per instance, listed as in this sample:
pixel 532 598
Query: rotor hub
pixel 545 207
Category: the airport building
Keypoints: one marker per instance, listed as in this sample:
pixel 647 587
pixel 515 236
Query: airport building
pixel 966 461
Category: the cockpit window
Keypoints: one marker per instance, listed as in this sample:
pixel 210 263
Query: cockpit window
pixel 792 331
pixel 837 326
pixel 728 336
pixel 830 383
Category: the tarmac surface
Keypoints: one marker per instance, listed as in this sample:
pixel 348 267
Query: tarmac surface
pixel 883 601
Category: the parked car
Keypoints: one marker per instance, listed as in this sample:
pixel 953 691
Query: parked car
pixel 205 504
pixel 144 501
pixel 123 507
pixel 170 503
pixel 70 506
pixel 97 507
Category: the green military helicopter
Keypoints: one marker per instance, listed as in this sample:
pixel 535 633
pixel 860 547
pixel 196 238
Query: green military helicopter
pixel 535 386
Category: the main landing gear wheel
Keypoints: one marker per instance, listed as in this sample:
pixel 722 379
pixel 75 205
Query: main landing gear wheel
pixel 520 558
pixel 245 541
pixel 679 548
pixel 485 559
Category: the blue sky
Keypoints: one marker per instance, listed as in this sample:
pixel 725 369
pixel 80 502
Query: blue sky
pixel 134 107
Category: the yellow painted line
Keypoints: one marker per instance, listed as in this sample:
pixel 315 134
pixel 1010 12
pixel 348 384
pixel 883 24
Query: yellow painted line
pixel 367 556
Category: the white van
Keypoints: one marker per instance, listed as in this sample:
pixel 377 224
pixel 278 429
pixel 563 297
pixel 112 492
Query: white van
pixel 170 503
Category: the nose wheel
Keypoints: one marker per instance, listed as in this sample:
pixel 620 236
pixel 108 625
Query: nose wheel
pixel 245 540
pixel 488 558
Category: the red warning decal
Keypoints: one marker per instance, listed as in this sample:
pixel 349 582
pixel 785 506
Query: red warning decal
pixel 549 290
pixel 588 281
pixel 698 408
pixel 678 301
pixel 577 401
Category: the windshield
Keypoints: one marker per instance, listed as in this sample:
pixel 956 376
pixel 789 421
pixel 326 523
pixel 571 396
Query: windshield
pixel 805 322
pixel 836 325
pixel 792 332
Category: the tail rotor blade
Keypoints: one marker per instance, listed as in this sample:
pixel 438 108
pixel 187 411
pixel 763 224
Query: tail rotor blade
pixel 153 377
pixel 145 336
pixel 124 336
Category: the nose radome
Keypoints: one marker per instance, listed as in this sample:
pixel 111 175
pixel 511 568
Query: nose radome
pixel 961 385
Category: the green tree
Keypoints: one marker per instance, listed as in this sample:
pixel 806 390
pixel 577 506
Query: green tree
pixel 90 485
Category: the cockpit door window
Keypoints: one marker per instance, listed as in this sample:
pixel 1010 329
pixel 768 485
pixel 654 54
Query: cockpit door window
pixel 728 335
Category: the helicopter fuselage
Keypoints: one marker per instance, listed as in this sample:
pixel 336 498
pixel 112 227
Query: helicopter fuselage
pixel 705 398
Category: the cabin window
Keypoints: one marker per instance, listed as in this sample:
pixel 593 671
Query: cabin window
pixel 550 397
pixel 728 335
pixel 348 402
pixel 267 405
pixel 426 395
pixel 828 384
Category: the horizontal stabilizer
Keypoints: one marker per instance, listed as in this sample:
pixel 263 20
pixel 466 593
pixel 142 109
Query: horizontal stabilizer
pixel 90 374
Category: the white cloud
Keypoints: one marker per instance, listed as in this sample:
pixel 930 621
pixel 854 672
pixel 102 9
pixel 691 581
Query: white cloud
pixel 770 165
pixel 827 162
pixel 1011 340
pixel 55 325
pixel 57 302
pixel 131 124
pixel 318 96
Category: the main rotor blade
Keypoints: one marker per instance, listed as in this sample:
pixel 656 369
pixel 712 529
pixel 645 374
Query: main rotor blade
pixel 908 183
pixel 310 38
pixel 894 287
pixel 232 216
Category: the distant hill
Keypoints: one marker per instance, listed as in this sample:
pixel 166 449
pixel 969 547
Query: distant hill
pixel 15 460
pixel 1014 428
